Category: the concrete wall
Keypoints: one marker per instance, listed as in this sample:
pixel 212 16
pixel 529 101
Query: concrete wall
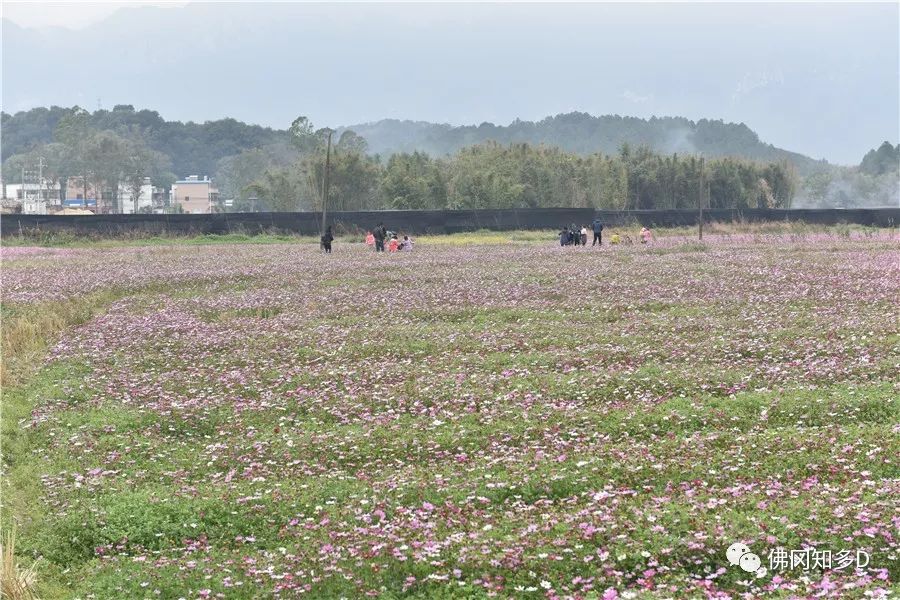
pixel 418 222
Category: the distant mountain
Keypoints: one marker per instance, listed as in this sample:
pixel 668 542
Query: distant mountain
pixel 196 148
pixel 585 134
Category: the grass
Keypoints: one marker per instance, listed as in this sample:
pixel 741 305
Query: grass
pixel 263 434
pixel 26 331
pixel 16 582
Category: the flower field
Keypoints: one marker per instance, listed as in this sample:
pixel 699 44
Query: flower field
pixel 511 420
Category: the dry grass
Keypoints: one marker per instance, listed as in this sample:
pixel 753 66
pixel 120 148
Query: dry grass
pixel 24 336
pixel 16 582
pixel 25 331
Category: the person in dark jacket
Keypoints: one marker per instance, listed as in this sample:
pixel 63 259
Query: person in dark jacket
pixel 564 236
pixel 597 226
pixel 380 234
pixel 326 240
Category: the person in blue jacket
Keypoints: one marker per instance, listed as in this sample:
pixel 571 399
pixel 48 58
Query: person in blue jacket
pixel 597 226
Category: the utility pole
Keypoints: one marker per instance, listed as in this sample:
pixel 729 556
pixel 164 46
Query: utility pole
pixel 41 178
pixel 325 183
pixel 700 201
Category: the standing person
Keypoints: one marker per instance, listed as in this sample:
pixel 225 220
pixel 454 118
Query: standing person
pixel 379 234
pixel 564 236
pixel 326 240
pixel 597 226
pixel 583 235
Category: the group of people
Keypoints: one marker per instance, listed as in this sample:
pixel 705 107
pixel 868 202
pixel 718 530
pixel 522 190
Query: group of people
pixel 384 240
pixel 572 235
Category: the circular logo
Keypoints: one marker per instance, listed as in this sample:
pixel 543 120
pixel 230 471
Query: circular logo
pixel 739 554
pixel 750 562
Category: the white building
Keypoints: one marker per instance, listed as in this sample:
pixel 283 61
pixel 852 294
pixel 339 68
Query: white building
pixel 48 192
pixel 34 206
pixel 144 200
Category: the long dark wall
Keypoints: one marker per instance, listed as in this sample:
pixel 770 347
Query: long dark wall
pixel 419 221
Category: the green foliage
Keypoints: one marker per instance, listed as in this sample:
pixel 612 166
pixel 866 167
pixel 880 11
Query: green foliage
pixel 285 170
pixel 585 134
pixel 351 142
pixel 302 136
pixel 848 187
pixel 885 159
pixel 413 181
pixel 235 173
pixel 193 148
pixel 525 176
pixel 354 181
pixel 278 190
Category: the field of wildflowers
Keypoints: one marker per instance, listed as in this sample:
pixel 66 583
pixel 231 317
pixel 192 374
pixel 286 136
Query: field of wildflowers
pixel 463 421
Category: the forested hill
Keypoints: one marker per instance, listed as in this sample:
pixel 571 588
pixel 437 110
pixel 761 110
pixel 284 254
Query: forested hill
pixel 585 134
pixel 193 148
pixel 196 148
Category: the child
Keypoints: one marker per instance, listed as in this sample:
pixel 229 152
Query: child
pixel 407 244
pixel 370 239
pixel 615 239
pixel 646 236
pixel 394 244
pixel 583 235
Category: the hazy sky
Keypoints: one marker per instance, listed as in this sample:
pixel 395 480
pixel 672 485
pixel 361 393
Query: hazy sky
pixel 818 78
pixel 74 15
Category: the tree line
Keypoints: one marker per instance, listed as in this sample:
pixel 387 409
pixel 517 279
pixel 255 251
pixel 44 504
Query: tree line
pixel 876 182
pixel 494 175
pixel 196 148
pixel 267 169
pixel 287 174
pixel 100 159
pixel 585 134
pixel 191 148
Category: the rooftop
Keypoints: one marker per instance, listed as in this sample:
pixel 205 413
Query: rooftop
pixel 194 179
